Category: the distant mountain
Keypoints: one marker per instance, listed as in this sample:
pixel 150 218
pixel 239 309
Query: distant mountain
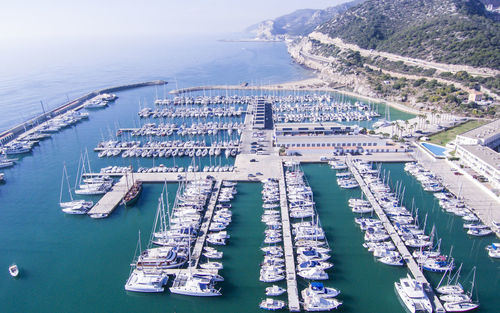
pixel 446 31
pixel 297 23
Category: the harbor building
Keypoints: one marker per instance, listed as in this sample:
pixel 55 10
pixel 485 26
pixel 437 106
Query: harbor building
pixel 312 129
pixel 331 137
pixel 487 135
pixel 484 160
pixel 337 144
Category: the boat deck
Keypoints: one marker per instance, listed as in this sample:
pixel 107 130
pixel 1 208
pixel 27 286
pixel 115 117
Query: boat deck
pixel 291 276
pixel 398 242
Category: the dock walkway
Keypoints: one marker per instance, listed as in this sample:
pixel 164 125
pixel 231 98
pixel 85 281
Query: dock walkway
pixel 398 242
pixel 291 277
pixel 207 219
pixel 113 197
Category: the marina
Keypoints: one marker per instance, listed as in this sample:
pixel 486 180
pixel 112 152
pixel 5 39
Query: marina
pixel 205 257
pixel 401 247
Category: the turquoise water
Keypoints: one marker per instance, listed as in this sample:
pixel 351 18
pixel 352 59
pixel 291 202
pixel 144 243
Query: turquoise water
pixel 367 286
pixel 434 149
pixel 76 264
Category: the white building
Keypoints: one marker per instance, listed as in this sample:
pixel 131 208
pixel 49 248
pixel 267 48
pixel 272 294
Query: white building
pixel 338 144
pixel 486 135
pixel 484 160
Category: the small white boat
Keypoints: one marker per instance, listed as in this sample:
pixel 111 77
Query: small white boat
pixel 275 290
pixel 392 260
pixel 14 270
pixel 212 265
pixel 460 306
pixel 455 297
pixel 272 304
pixel 314 303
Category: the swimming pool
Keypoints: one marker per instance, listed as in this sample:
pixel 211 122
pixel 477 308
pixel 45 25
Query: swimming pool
pixel 436 150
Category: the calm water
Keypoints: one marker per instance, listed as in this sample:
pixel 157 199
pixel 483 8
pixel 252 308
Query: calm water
pixel 368 286
pixel 76 264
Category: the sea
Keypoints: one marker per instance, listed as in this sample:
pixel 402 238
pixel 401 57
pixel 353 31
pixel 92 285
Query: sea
pixel 78 264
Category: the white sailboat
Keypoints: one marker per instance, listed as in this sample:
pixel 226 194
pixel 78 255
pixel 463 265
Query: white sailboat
pixel 72 206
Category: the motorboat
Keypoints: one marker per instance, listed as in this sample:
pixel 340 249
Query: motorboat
pixel 314 303
pixel 212 265
pixel 318 289
pixel 272 304
pixel 275 290
pixel 412 295
pixel 313 274
pixel 392 260
pixel 14 270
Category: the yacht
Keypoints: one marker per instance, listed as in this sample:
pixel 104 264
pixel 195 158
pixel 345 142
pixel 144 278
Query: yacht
pixel 460 306
pixel 192 285
pixel 4 162
pixel 272 304
pixel 141 281
pixel 412 295
pixel 494 250
pixel 275 290
pixel 320 290
pixel 314 274
pixel 314 303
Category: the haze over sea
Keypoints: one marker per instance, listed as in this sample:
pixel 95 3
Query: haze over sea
pixel 55 71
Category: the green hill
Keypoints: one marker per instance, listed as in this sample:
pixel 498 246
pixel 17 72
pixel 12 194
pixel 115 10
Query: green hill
pixel 446 31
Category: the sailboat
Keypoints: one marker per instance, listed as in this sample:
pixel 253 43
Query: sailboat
pixel 134 192
pixel 72 206
pixel 461 302
pixel 452 286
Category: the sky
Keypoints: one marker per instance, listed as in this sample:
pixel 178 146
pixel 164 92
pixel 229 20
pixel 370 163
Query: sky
pixel 27 19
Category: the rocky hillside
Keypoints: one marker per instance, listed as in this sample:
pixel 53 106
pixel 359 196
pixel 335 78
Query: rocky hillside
pixel 445 31
pixel 297 23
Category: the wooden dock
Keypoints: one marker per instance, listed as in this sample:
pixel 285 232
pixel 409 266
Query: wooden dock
pixel 398 242
pixel 207 219
pixel 291 276
pixel 113 197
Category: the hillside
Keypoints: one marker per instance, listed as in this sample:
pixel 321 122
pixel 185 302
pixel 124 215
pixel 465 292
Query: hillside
pixel 445 31
pixel 297 23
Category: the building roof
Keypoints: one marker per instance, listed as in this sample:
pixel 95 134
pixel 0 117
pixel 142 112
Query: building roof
pixel 486 154
pixel 330 139
pixel 310 125
pixel 484 132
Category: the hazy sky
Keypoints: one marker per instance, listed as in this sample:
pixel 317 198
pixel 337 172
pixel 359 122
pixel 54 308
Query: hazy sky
pixel 63 18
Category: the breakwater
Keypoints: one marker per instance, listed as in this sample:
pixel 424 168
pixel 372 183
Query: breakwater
pixel 76 104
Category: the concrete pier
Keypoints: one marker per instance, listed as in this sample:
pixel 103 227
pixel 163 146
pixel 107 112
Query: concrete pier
pixel 207 219
pixel 398 242
pixel 113 197
pixel 291 276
